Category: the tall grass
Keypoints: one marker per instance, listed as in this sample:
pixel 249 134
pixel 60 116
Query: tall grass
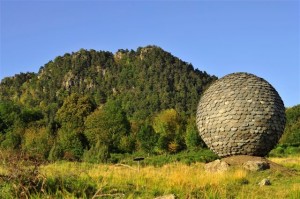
pixel 177 178
pixel 86 180
pixel 290 161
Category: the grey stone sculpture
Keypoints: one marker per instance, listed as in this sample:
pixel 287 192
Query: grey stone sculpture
pixel 241 114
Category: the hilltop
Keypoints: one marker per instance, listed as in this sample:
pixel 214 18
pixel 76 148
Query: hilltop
pixel 92 103
pixel 147 81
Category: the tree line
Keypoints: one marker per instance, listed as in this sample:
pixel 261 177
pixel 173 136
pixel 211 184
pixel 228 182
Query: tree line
pixel 89 104
pixel 83 131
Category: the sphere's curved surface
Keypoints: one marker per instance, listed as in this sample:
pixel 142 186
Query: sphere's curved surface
pixel 240 114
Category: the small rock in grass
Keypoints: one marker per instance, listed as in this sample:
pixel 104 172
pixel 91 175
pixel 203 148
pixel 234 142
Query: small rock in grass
pixel 169 196
pixel 265 182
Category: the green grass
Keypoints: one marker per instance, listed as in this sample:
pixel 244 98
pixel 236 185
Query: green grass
pixel 185 180
pixel 186 157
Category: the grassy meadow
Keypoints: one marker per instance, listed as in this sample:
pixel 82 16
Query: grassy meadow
pixel 85 180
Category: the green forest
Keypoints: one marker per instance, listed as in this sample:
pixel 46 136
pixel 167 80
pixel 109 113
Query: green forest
pixel 91 105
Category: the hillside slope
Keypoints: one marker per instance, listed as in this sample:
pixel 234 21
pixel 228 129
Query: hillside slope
pixel 89 104
pixel 147 81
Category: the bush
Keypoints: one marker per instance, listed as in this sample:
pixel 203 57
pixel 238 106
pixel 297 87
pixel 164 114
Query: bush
pixel 290 150
pixel 70 184
pixel 22 177
pixel 70 141
pixel 36 141
pixel 277 152
pixel 187 157
pixel 284 150
pixel 97 154
pixel 12 140
pixel 56 153
pixel 116 158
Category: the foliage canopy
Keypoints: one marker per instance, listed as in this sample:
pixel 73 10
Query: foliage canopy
pixel 89 104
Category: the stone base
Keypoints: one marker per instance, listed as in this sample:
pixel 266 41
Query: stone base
pixel 252 163
pixel 240 160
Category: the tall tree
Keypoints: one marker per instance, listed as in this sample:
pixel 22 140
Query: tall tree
pixel 168 125
pixel 291 135
pixel 74 110
pixel 193 140
pixel 147 138
pixel 107 125
pixel 71 116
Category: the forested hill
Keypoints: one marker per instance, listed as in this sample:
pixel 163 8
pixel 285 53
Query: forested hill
pixel 90 104
pixel 146 81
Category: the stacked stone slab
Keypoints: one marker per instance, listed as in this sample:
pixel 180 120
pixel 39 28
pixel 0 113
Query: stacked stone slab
pixel 241 114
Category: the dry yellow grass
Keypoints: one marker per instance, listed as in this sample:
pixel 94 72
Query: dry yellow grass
pixel 3 171
pixel 177 176
pixel 171 174
pixel 287 161
pixel 184 181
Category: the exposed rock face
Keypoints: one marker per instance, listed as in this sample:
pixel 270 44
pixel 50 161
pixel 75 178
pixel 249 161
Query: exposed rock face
pixel 241 114
pixel 256 165
pixel 216 166
pixel 242 160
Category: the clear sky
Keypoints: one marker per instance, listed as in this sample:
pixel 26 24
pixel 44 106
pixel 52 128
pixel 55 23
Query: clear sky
pixel 219 37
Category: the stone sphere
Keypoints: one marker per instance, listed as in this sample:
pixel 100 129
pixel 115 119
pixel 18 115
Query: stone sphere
pixel 240 114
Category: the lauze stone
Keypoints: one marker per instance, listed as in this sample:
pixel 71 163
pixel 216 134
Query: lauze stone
pixel 241 114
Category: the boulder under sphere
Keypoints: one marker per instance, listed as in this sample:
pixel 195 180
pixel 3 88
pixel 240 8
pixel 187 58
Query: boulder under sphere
pixel 241 114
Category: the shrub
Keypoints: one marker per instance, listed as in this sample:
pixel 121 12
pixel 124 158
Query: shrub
pixel 290 150
pixel 22 177
pixel 284 150
pixel 97 154
pixel 77 186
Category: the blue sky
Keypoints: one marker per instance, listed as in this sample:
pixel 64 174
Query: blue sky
pixel 219 37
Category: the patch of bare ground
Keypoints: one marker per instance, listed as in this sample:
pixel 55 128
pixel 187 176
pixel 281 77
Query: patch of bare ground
pixel 240 160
